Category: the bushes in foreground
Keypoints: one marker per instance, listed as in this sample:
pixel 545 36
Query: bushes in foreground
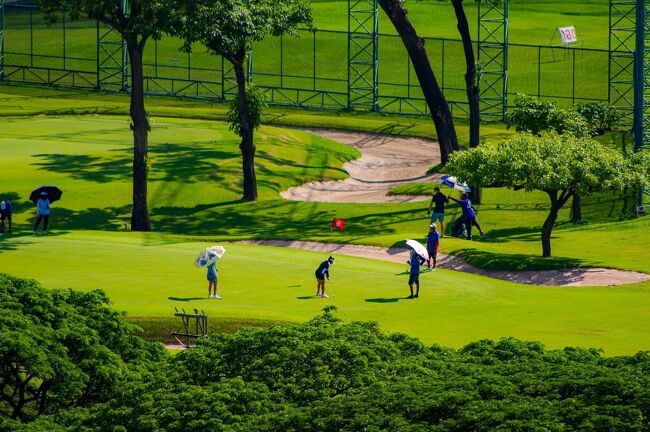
pixel 329 376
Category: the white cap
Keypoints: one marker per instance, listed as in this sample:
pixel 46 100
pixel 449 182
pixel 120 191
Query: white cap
pixel 432 225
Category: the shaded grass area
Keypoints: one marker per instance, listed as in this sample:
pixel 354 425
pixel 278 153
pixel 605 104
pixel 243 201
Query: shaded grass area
pixel 159 329
pixel 508 261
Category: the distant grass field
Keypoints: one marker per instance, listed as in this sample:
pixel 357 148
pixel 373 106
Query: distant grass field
pixel 316 61
pixel 150 275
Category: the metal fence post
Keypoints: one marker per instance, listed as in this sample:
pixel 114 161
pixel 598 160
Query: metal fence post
pixel 493 57
pixel 363 72
pixel 2 39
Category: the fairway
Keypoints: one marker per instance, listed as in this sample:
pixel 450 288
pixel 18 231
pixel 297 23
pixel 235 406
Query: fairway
pixel 150 275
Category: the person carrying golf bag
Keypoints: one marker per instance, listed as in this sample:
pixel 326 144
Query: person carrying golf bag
pixel 322 272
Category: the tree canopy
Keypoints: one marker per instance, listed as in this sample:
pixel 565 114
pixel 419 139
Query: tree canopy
pixel 229 28
pixel 62 349
pixel 321 375
pixel 560 165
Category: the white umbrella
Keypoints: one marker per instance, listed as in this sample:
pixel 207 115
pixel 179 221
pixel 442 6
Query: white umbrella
pixel 209 255
pixel 418 248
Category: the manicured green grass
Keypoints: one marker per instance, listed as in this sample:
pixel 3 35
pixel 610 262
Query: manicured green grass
pixel 195 187
pixel 150 275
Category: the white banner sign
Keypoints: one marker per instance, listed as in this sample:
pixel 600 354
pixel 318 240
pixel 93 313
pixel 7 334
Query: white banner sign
pixel 567 34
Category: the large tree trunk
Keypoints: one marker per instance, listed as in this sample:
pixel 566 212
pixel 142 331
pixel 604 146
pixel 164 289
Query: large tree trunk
pixel 140 125
pixel 247 146
pixel 547 228
pixel 471 85
pixel 436 101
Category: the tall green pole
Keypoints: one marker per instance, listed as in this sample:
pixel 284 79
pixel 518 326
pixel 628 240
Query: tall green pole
pixel 2 39
pixel 639 62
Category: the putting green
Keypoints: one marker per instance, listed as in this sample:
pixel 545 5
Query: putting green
pixel 151 274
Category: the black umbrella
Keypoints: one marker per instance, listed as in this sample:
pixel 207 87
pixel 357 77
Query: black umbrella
pixel 53 193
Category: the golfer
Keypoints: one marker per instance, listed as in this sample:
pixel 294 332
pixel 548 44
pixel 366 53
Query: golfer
pixel 433 241
pixel 322 272
pixel 42 212
pixel 415 261
pixel 438 202
pixel 212 281
pixel 5 213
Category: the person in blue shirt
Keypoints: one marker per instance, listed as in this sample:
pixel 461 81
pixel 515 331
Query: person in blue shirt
pixel 212 281
pixel 322 272
pixel 414 262
pixel 437 203
pixel 5 213
pixel 469 215
pixel 433 241
pixel 42 212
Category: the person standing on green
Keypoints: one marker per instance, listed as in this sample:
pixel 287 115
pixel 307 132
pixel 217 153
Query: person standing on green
pixel 212 281
pixel 438 202
pixel 42 212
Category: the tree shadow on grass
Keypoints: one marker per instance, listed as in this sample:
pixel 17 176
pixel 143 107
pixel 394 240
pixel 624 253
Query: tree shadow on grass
pixel 106 219
pixel 170 162
pixel 267 220
pixel 520 262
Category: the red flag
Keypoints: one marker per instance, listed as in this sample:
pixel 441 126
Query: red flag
pixel 338 223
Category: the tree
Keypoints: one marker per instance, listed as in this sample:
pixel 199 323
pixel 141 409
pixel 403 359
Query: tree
pixel 594 118
pixel 229 28
pixel 62 349
pixel 561 166
pixel 471 85
pixel 433 95
pixel 136 21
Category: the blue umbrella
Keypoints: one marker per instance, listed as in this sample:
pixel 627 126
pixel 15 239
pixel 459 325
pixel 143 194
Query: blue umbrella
pixel 453 183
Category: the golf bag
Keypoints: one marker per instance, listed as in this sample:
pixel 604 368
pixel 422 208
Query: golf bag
pixel 458 228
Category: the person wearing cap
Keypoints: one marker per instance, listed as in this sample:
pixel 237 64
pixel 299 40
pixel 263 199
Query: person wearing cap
pixel 433 241
pixel 42 212
pixel 5 213
pixel 322 272
pixel 438 202
pixel 414 262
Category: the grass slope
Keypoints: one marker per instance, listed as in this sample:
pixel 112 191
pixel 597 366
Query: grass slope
pixel 150 275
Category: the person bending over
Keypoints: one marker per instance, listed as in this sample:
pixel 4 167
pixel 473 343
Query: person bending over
pixel 322 272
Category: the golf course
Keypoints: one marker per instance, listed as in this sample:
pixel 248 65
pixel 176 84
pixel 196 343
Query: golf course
pixel 194 201
pixel 324 215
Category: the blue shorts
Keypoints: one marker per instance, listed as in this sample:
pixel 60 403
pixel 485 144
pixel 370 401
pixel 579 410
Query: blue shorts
pixel 414 278
pixel 212 277
pixel 437 217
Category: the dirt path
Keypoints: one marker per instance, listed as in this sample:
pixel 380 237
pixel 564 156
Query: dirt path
pixel 565 277
pixel 388 161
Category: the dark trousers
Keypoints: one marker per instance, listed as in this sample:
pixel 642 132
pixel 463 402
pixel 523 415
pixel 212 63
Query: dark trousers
pixel 45 218
pixel 468 221
pixel 4 216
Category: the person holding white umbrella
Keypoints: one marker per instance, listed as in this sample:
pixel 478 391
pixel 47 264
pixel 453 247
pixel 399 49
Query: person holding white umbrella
pixel 419 256
pixel 208 258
